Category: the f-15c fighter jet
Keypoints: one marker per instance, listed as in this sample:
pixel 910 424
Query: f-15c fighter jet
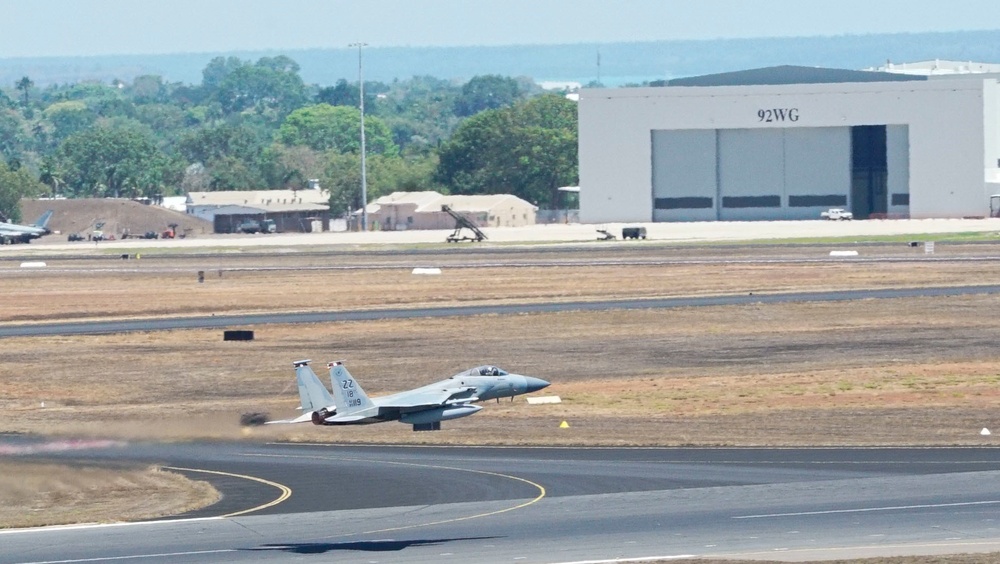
pixel 424 408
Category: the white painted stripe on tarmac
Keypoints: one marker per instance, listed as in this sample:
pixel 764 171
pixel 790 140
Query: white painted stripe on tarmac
pixel 133 556
pixel 639 559
pixel 58 528
pixel 868 509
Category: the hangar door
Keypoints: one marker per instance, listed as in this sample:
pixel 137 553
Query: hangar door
pixel 750 174
pixel 685 184
pixel 880 164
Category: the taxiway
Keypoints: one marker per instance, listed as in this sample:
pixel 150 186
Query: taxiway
pixel 484 505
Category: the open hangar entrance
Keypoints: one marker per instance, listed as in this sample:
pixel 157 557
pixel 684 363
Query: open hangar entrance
pixel 779 173
pixel 880 170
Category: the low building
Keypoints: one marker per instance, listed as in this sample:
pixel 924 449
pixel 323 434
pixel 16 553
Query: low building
pixel 295 211
pixel 423 210
pixel 204 204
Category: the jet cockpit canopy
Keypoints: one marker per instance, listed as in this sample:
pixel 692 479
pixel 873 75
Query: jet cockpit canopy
pixel 486 370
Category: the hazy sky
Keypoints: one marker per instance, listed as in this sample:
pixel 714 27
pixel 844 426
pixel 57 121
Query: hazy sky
pixel 96 27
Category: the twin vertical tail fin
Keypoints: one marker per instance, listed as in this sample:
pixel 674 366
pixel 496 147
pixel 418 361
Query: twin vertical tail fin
pixel 312 393
pixel 347 394
pixel 43 221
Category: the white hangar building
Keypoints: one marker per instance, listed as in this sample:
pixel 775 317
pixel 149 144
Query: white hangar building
pixel 788 143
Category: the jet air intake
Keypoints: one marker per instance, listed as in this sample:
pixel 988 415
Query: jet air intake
pixel 438 414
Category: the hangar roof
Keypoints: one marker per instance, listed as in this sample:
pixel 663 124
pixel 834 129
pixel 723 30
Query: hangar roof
pixel 270 208
pixel 417 198
pixel 257 197
pixel 432 201
pixel 472 203
pixel 940 67
pixel 237 210
pixel 789 74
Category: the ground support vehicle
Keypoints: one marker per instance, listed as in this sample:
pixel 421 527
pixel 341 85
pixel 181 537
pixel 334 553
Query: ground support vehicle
pixel 837 214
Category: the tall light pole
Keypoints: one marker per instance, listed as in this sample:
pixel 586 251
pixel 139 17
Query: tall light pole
pixel 364 169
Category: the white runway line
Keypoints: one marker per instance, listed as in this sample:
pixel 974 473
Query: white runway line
pixel 867 509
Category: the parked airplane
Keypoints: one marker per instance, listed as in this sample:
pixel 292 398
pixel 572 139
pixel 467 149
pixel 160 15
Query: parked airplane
pixel 17 233
pixel 424 408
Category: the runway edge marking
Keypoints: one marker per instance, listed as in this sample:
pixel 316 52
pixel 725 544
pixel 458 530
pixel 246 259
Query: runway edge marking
pixel 286 491
pixel 990 545
pixel 81 526
pixel 868 509
pixel 637 559
pixel 541 489
pixel 131 557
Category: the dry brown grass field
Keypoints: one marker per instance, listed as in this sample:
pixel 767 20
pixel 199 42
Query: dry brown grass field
pixel 902 371
pixel 868 372
pixel 793 374
pixel 111 288
pixel 33 495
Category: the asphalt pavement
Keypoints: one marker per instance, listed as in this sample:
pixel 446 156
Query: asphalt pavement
pixel 322 503
pixel 245 320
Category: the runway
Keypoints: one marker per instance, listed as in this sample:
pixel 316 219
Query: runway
pixel 316 503
pixel 220 321
pixel 321 503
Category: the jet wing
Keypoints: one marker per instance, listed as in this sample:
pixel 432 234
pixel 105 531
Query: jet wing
pixel 332 419
pixel 425 398
pixel 347 418
pixel 24 234
pixel 304 418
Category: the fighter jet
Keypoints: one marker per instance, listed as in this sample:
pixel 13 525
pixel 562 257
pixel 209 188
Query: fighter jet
pixel 424 408
pixel 17 233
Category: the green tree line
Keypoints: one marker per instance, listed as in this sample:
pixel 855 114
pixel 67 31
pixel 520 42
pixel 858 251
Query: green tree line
pixel 252 125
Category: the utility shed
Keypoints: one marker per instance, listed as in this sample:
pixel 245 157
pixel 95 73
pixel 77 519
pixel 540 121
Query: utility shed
pixel 788 143
pixel 422 210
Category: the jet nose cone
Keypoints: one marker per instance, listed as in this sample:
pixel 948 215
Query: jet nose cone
pixel 535 384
